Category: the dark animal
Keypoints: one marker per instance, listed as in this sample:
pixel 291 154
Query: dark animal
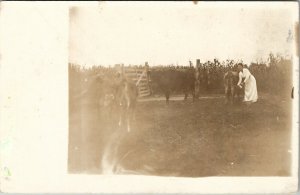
pixel 170 81
pixel 231 79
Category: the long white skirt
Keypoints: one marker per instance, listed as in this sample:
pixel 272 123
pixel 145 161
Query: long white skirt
pixel 250 90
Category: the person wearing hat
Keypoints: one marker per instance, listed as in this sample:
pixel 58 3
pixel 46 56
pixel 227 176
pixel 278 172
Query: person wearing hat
pixel 249 84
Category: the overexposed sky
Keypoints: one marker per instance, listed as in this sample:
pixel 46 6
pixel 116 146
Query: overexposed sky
pixel 176 32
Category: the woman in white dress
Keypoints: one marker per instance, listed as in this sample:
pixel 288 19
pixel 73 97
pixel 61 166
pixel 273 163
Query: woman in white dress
pixel 249 82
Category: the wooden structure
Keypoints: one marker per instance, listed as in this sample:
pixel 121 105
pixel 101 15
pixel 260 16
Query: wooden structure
pixel 197 78
pixel 140 76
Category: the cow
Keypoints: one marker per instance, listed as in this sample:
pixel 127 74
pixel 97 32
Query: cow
pixel 126 98
pixel 116 97
pixel 231 79
pixel 169 80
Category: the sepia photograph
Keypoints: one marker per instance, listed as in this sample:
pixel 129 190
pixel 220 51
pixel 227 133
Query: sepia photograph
pixel 192 92
pixel 187 97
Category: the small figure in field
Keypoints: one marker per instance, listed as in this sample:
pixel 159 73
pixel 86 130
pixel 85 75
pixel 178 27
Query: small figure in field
pixel 249 83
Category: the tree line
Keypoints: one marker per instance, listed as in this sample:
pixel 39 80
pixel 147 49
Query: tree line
pixel 273 76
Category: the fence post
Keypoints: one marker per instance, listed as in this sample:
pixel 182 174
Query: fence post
pixel 148 77
pixel 197 78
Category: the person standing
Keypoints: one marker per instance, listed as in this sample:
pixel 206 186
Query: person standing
pixel 249 83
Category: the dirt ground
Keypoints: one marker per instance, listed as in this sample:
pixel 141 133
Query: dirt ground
pixel 205 138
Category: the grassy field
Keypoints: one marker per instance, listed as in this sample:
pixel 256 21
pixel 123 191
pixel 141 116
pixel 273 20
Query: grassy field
pixel 205 138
